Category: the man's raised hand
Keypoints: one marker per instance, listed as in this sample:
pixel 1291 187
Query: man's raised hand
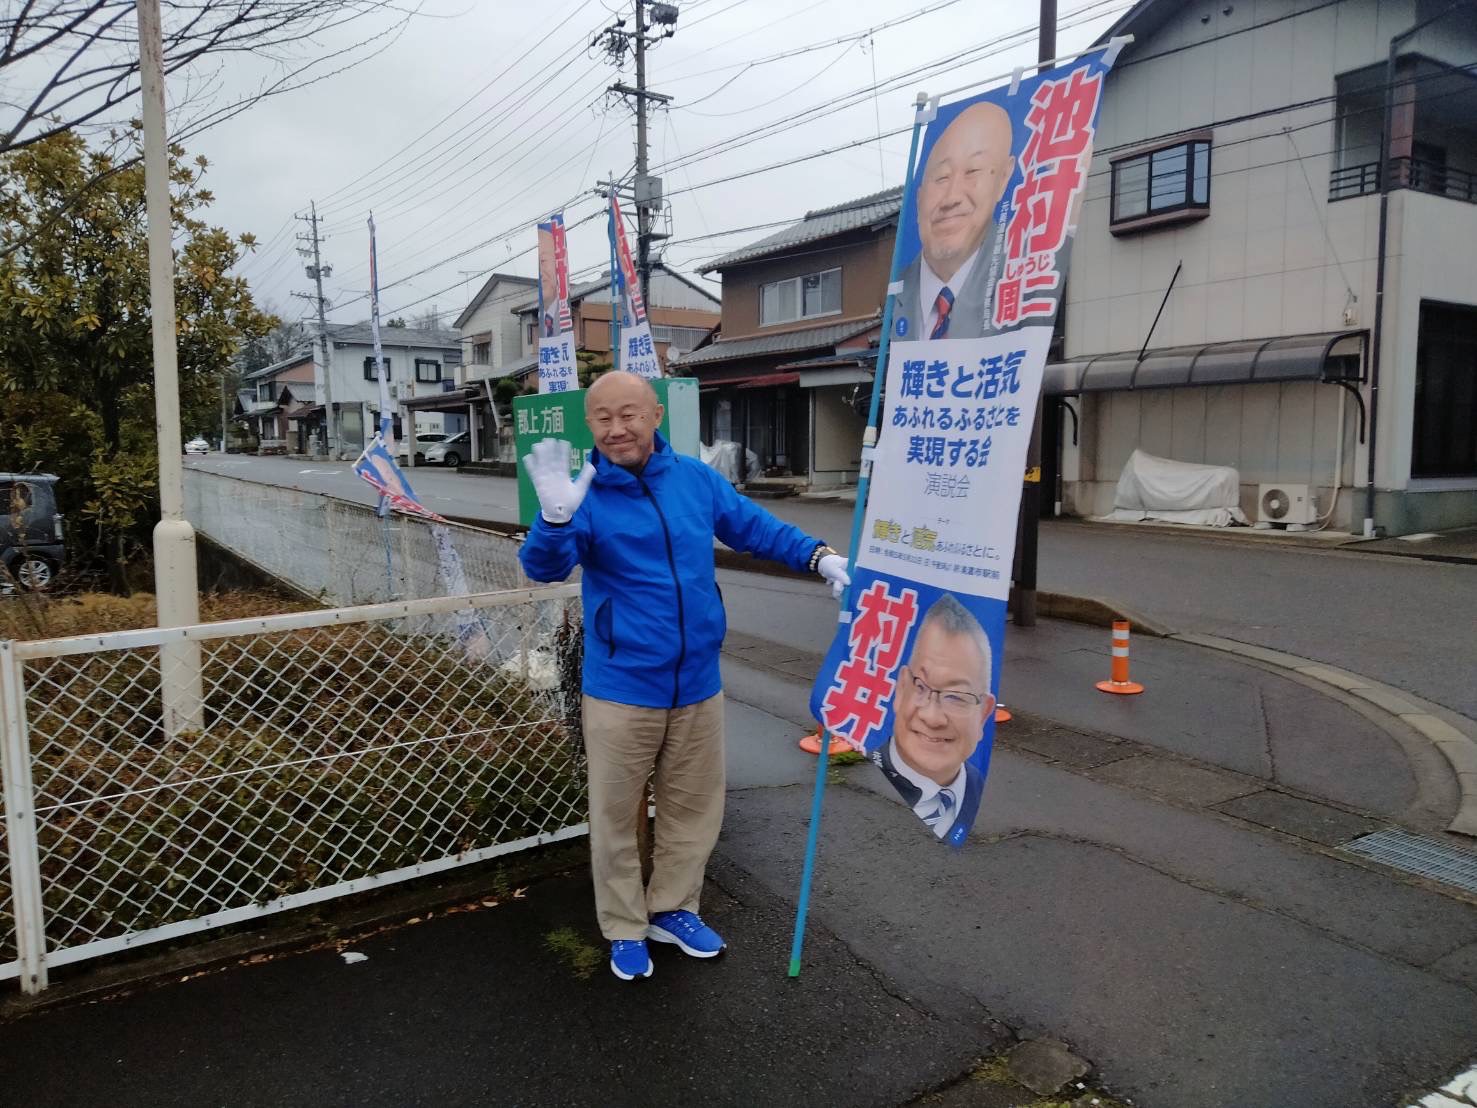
pixel 548 468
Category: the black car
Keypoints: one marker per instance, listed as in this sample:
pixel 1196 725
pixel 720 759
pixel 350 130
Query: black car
pixel 31 541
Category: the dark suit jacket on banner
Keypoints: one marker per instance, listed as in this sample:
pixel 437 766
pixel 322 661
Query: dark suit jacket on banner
pixel 974 788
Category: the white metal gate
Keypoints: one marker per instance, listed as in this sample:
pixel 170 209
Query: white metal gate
pixel 323 753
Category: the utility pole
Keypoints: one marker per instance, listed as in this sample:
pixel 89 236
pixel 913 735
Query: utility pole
pixel 1030 521
pixel 616 40
pixel 317 271
pixel 176 577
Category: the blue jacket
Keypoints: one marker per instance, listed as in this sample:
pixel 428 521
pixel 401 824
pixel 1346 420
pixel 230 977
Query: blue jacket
pixel 654 620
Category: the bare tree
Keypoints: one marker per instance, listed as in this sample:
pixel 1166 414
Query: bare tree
pixel 65 64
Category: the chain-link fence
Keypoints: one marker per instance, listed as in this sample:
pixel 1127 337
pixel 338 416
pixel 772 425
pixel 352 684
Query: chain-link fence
pixel 340 551
pixel 317 754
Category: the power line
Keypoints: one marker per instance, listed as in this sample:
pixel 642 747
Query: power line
pixel 556 27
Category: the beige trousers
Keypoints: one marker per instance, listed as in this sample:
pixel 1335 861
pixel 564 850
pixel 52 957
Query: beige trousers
pixel 623 745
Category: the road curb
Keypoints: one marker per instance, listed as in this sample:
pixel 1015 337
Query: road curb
pixel 1457 746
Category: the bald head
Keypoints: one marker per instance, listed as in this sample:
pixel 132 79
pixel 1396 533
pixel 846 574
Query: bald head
pixel 623 413
pixel 965 176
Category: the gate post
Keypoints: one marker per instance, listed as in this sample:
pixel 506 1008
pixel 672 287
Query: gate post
pixel 20 825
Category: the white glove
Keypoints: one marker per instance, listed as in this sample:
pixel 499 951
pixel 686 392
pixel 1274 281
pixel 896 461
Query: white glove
pixel 833 568
pixel 548 469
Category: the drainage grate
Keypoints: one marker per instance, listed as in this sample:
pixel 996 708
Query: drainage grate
pixel 1423 857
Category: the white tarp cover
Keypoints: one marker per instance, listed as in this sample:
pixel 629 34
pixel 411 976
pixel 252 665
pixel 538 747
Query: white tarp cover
pixel 1178 492
pixel 723 456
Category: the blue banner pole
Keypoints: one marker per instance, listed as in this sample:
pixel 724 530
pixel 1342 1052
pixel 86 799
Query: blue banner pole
pixel 615 297
pixel 869 441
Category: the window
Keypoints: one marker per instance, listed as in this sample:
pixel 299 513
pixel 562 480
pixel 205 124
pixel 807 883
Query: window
pixel 683 338
pixel 482 353
pixel 16 499
pixel 369 373
pixel 533 332
pixel 795 298
pixel 1175 179
pixel 1445 439
pixel 427 371
pixel 267 390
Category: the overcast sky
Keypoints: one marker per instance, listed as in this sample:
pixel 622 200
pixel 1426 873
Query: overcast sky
pixel 482 116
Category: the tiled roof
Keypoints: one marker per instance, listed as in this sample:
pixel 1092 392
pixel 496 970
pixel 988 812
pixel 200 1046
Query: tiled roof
pixel 822 223
pixel 426 337
pixel 727 350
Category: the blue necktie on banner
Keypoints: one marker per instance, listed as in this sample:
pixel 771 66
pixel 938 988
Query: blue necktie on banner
pixel 942 306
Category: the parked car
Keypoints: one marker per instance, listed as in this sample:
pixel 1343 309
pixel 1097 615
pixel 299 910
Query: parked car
pixel 451 452
pixel 32 544
pixel 422 442
pixel 197 445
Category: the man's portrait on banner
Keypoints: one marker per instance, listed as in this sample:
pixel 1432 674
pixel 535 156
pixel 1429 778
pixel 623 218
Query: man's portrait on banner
pixel 548 282
pixel 941 705
pixel 958 191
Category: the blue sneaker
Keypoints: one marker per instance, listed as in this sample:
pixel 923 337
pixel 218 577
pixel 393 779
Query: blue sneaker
pixel 688 931
pixel 629 959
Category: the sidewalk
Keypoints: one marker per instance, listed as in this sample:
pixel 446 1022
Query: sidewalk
pixel 1162 881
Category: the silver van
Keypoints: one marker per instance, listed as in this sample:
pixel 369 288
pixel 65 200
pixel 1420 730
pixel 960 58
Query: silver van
pixel 32 545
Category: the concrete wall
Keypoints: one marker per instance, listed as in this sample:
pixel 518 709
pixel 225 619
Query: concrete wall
pixel 1268 433
pixel 1275 256
pixel 863 258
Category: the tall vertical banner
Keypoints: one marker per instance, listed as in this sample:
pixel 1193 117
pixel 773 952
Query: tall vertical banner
pixel 378 467
pixel 984 239
pixel 637 354
pixel 557 368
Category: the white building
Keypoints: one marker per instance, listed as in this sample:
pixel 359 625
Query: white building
pixel 421 362
pixel 491 337
pixel 1240 144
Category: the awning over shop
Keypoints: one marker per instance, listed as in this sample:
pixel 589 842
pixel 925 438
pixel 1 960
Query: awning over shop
pixel 769 380
pixel 1334 356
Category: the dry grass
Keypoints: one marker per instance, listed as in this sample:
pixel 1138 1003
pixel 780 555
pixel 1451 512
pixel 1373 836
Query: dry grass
pixel 24 616
pixel 326 755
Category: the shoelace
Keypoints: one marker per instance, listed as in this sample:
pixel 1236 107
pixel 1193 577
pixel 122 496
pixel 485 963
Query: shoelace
pixel 688 924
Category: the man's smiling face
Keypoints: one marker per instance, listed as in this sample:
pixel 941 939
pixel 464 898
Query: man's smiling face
pixel 964 178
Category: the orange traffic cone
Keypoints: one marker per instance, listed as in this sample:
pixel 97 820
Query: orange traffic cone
pixel 1120 683
pixel 811 744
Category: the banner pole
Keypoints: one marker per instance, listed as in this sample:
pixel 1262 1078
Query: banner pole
pixel 615 327
pixel 869 441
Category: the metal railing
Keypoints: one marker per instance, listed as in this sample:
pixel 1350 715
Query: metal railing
pixel 340 551
pixel 1405 173
pixel 330 752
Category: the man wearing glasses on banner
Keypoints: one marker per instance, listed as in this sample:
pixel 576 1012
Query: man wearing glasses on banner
pixel 943 701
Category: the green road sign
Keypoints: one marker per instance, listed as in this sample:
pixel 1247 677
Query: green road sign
pixel 561 415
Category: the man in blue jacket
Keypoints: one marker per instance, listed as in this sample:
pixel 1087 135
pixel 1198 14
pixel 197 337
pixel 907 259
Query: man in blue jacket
pixel 640 520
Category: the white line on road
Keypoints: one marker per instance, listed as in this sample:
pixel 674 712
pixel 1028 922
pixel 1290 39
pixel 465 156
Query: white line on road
pixel 1463 1087
pixel 322 472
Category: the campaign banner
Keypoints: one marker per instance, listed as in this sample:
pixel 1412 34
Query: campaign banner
pixel 984 237
pixel 637 354
pixel 557 369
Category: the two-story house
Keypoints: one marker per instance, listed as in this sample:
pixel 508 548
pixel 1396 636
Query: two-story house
pixel 273 403
pixel 791 373
pixel 1307 321
pixel 681 312
pixel 489 329
pixel 420 361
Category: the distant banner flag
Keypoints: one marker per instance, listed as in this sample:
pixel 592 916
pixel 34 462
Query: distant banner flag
pixel 381 372
pixel 557 369
pixel 983 244
pixel 377 464
pixel 637 353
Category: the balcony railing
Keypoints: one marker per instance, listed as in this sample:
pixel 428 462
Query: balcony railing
pixel 1405 173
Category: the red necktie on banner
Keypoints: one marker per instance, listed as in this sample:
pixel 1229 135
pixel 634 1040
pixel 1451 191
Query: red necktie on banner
pixel 942 306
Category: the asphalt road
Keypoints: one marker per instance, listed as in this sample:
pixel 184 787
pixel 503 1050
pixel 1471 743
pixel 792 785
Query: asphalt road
pixel 1405 622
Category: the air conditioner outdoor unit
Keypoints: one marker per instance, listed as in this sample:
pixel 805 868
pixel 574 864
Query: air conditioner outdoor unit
pixel 1292 506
